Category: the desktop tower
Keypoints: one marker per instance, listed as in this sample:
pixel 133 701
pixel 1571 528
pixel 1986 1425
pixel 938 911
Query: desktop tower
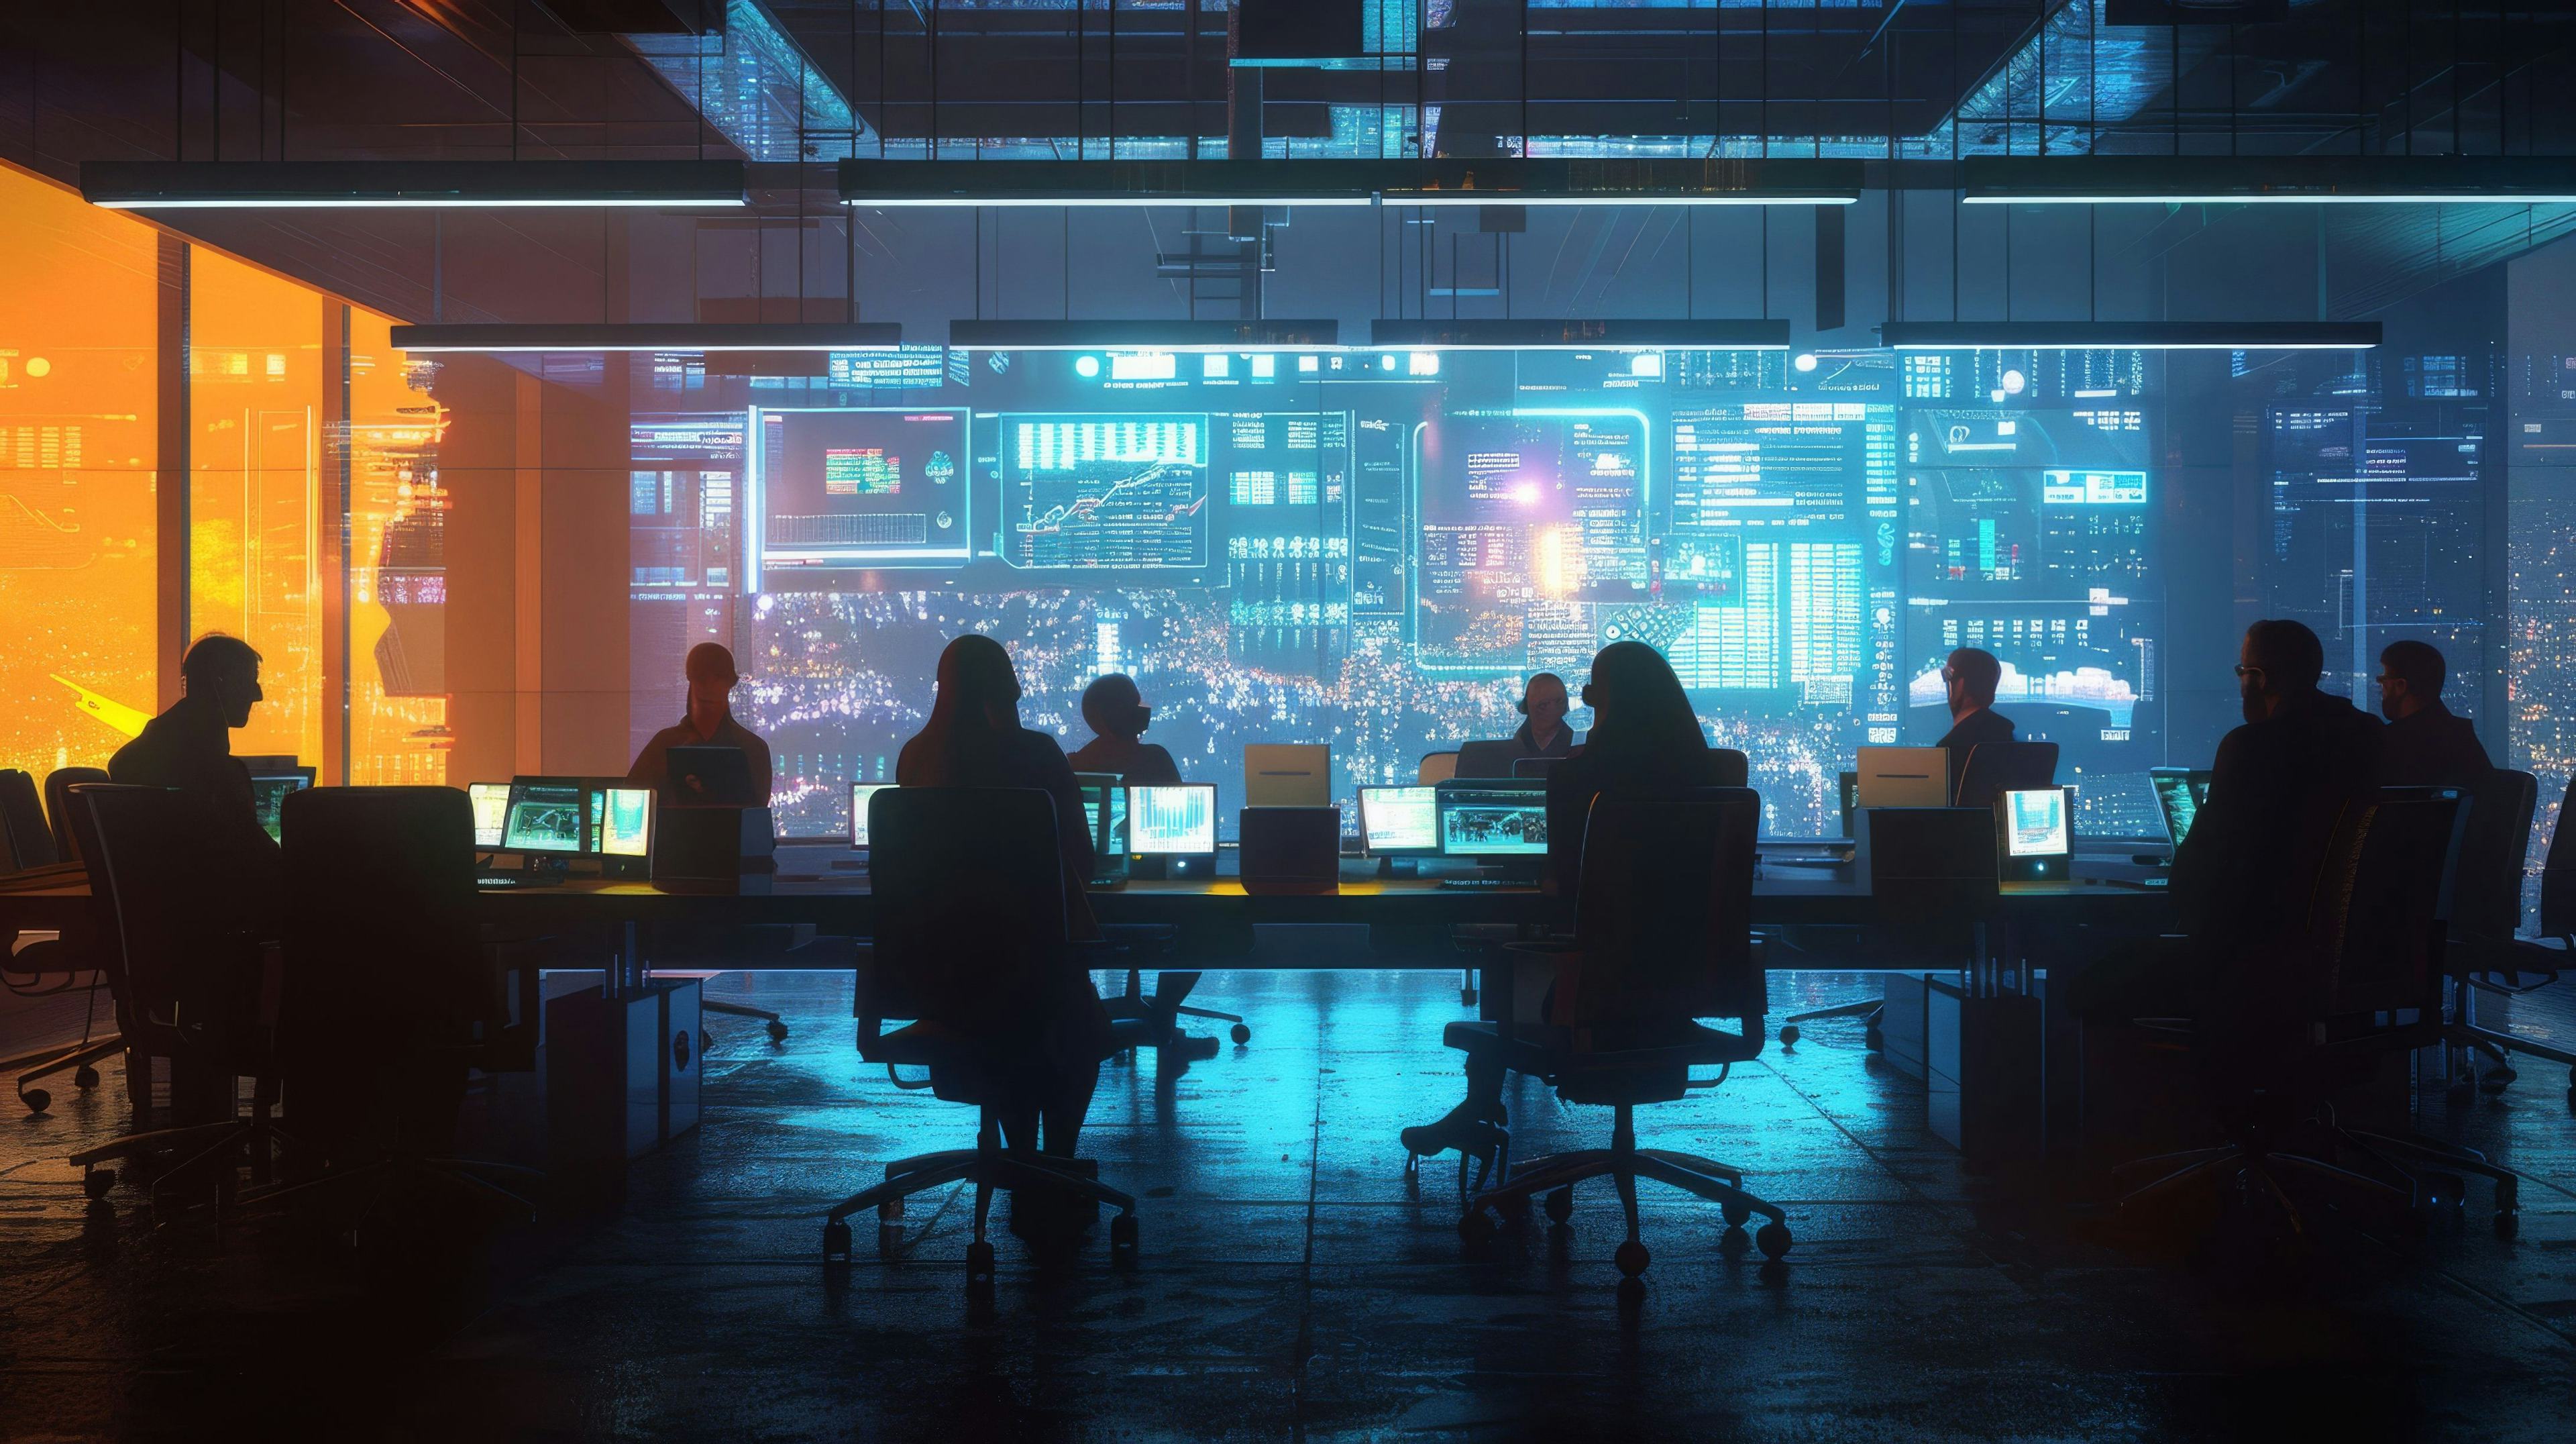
pixel 621 1072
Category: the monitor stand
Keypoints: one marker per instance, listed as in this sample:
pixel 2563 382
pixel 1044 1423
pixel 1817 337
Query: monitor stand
pixel 1398 867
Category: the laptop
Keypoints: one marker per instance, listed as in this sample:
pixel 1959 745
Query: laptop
pixel 1902 777
pixel 2179 793
pixel 1297 774
pixel 268 789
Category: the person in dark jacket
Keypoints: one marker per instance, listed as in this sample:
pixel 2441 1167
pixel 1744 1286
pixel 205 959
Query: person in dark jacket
pixel 1543 706
pixel 707 722
pixel 189 747
pixel 2426 744
pixel 1971 675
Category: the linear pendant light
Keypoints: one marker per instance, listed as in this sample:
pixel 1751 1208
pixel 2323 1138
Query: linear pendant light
pixel 2105 180
pixel 649 336
pixel 1591 334
pixel 411 184
pixel 1641 181
pixel 1507 181
pixel 1043 335
pixel 2129 335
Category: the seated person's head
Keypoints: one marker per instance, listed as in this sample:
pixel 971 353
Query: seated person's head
pixel 976 680
pixel 2279 663
pixel 1971 675
pixel 223 671
pixel 1114 708
pixel 1544 703
pixel 1638 704
pixel 711 681
pixel 2410 678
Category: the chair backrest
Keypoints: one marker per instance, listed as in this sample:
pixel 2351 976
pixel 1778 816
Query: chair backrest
pixel 160 930
pixel 379 931
pixel 1999 767
pixel 2381 910
pixel 2558 874
pixel 970 900
pixel 58 806
pixel 24 839
pixel 1664 906
pixel 2487 900
pixel 1436 767
pixel 1491 757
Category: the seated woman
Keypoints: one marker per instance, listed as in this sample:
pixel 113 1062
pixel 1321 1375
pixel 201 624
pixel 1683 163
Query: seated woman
pixel 974 739
pixel 1644 738
pixel 1117 713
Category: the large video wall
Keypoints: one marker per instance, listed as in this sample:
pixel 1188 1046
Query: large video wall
pixel 1372 549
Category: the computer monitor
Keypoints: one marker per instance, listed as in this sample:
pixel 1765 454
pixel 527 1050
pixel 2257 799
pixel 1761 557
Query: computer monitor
pixel 1489 758
pixel 1104 811
pixel 268 789
pixel 621 821
pixel 2179 793
pixel 1492 817
pixel 1298 774
pixel 860 792
pixel 491 811
pixel 2035 834
pixel 546 815
pixel 1902 777
pixel 713 775
pixel 1175 820
pixel 1400 821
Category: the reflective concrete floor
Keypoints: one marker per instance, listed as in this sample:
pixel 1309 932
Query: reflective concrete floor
pixel 1291 1283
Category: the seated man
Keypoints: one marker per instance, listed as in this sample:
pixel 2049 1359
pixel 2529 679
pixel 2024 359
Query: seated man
pixel 2426 744
pixel 1972 676
pixel 189 747
pixel 1543 706
pixel 1117 715
pixel 708 722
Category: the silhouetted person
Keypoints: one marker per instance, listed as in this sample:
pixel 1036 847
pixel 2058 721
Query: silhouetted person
pixel 189 747
pixel 2426 744
pixel 1971 675
pixel 1117 715
pixel 1543 706
pixel 708 722
pixel 974 739
pixel 1644 739
pixel 2244 875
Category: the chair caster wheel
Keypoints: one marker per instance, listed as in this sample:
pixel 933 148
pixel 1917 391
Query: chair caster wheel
pixel 1475 1228
pixel 1788 1035
pixel 836 1242
pixel 777 1032
pixel 37 1100
pixel 1560 1205
pixel 85 1076
pixel 1631 1258
pixel 1122 1239
pixel 97 1182
pixel 1734 1241
pixel 1736 1213
pixel 1873 1040
pixel 1773 1239
pixel 2507 1225
pixel 1240 1032
pixel 979 1263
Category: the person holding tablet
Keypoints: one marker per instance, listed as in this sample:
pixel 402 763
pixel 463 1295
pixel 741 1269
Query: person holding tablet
pixel 707 722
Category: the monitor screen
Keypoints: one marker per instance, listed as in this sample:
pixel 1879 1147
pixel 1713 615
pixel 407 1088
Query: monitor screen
pixel 622 821
pixel 1102 790
pixel 1400 819
pixel 2036 823
pixel 1484 820
pixel 2179 796
pixel 1176 820
pixel 268 799
pixel 859 795
pixel 545 816
pixel 491 811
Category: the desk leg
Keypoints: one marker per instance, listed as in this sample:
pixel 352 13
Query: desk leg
pixel 625 972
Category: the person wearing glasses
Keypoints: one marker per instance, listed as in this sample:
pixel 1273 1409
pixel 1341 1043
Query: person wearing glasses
pixel 1971 676
pixel 2427 744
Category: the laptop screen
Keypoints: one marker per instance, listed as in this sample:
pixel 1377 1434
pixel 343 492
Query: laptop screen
pixel 491 811
pixel 1172 821
pixel 268 800
pixel 2178 795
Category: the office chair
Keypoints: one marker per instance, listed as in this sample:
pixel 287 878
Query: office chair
pixel 185 978
pixel 58 807
pixel 2365 985
pixel 1435 767
pixel 1661 939
pixel 970 908
pixel 27 842
pixel 2485 955
pixel 1995 768
pixel 1160 1012
pixel 388 999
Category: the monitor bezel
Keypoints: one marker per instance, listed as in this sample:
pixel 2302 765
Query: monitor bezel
pixel 1432 851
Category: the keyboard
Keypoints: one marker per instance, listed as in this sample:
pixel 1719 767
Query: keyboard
pixel 1485 884
pixel 509 879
